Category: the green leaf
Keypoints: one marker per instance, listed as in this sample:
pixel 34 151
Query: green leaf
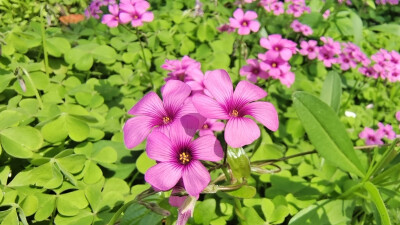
pixel 55 131
pixel 252 217
pixel 19 142
pixel 70 204
pixel 139 215
pixel 105 155
pixel 390 28
pixel 105 54
pixel 143 163
pixel 83 217
pixel 30 205
pixel 377 200
pixel 243 192
pixel 92 173
pixel 238 162
pixel 9 118
pixel 11 218
pixel 357 27
pixel 77 129
pixel 204 211
pixel 56 46
pixel 327 133
pixel 46 206
pixel 332 90
pixel 325 212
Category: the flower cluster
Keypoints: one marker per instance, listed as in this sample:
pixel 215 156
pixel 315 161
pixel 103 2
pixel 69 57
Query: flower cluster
pixel 348 2
pixel 294 7
pixel 244 21
pixel 374 137
pixel 301 28
pixel 170 126
pixel 384 2
pixel 386 65
pixel 133 11
pixel 274 63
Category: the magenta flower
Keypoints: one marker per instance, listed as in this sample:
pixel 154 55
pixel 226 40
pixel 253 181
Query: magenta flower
pixel 135 12
pixel 209 126
pixel 278 46
pixel 326 14
pixel 244 22
pixel 277 8
pixel 253 70
pixel 151 112
pixel 225 28
pixel 111 19
pixel 309 49
pixel 386 131
pixel 296 26
pixel 179 156
pixel 273 65
pixel 371 137
pixel 306 30
pixel 234 106
pixel 185 205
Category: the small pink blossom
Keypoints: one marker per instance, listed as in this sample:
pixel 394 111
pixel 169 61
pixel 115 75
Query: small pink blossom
pixel 296 26
pixel 278 46
pixel 253 70
pixel 309 49
pixel 326 14
pixel 386 131
pixel 371 137
pixel 244 22
pixel 111 19
pixel 233 106
pixel 135 12
pixel 225 28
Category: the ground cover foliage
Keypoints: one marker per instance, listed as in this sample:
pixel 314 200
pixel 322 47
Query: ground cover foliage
pixel 66 89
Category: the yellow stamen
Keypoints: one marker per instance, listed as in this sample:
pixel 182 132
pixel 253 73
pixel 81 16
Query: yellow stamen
pixel 234 113
pixel 205 126
pixel 244 24
pixel 184 157
pixel 274 65
pixel 166 119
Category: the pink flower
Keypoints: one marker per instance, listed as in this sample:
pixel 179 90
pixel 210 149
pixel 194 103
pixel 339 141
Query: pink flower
pixel 244 22
pixel 368 71
pixel 277 8
pixel 225 28
pixel 234 106
pixel 346 62
pixel 386 131
pixel 278 46
pixel 209 126
pixel 135 12
pixel 371 137
pixel 112 19
pixel 253 70
pixel 273 65
pixel 306 30
pixel 296 26
pixel 326 14
pixel 179 156
pixel 151 112
pixel 309 49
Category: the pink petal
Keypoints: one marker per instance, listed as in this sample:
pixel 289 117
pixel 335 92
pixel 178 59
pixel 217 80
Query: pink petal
pixel 218 126
pixel 148 16
pixel 136 130
pixel 238 14
pixel 112 23
pixel 234 23
pixel 187 108
pixel 250 15
pixel 107 18
pixel 263 112
pixel 150 105
pixel 204 132
pixel 208 107
pixel 241 131
pixel 286 54
pixel 195 178
pixel 136 23
pixel 159 147
pixel 113 9
pixel 246 92
pixel 244 30
pixel 183 130
pixel 174 94
pixel 177 201
pixel 254 26
pixel 141 6
pixel 219 84
pixel 125 17
pixel 264 42
pixel 164 175
pixel 207 148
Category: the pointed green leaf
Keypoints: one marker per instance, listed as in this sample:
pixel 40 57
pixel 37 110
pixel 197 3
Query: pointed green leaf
pixel 377 200
pixel 332 90
pixel 327 133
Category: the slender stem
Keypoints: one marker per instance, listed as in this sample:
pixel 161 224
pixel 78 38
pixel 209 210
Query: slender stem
pixel 271 161
pixel 238 209
pixel 133 178
pixel 240 56
pixel 120 210
pixel 34 88
pixel 46 57
pixel 226 173
pixel 144 58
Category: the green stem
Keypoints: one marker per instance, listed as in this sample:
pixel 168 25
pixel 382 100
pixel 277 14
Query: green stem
pixel 34 88
pixel 226 173
pixel 133 178
pixel 238 209
pixel 120 210
pixel 46 57
pixel 240 56
pixel 144 58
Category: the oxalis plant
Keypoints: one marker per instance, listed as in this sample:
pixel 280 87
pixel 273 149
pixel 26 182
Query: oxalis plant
pixel 200 112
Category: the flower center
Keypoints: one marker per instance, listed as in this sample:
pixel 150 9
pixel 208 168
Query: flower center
pixel 181 76
pixel 205 126
pixel 166 119
pixel 234 113
pixel 244 23
pixel 277 48
pixel 135 17
pixel 255 71
pixel 274 65
pixel 185 157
